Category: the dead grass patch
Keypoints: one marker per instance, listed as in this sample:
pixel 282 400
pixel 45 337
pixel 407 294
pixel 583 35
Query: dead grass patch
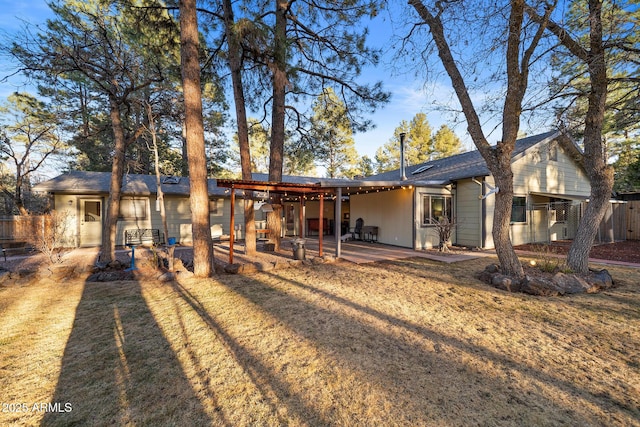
pixel 411 342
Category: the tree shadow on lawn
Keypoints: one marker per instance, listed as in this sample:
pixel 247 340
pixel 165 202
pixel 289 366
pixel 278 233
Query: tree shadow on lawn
pixel 406 364
pixel 409 362
pixel 272 391
pixel 118 367
pixel 616 307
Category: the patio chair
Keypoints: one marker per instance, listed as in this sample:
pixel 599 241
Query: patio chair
pixel 357 230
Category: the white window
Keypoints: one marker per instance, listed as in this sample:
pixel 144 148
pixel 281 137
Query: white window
pixel 519 209
pixel 133 208
pixel 436 208
pixel 216 206
pixel 559 209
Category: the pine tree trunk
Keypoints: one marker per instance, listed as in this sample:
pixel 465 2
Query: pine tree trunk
pixel 200 221
pixel 278 118
pixel 109 226
pixel 595 158
pixel 235 65
pixel 507 257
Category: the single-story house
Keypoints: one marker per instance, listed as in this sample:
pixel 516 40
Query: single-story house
pixel 82 196
pixel 550 190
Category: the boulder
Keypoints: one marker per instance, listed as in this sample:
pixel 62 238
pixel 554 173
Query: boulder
pixel 601 279
pixel 280 265
pixel 571 284
pixel 167 277
pixel 232 268
pixel 263 266
pixel 492 268
pixel 539 286
pixel 5 276
pixel 184 274
pixel 247 269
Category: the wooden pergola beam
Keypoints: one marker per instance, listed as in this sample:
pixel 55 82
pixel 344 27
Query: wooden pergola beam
pixel 287 188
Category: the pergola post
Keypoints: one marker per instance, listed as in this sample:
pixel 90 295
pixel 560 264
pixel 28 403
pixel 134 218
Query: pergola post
pixel 321 225
pixel 232 225
pixel 301 232
pixel 338 221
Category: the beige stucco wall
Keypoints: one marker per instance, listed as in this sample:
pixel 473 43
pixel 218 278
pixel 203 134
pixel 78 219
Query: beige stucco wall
pixel 426 236
pixel 391 211
pixel 68 205
pixel 178 211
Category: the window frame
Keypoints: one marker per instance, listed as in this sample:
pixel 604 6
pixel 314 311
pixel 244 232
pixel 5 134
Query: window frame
pixel 216 207
pixel 427 211
pixel 560 215
pixel 128 210
pixel 514 206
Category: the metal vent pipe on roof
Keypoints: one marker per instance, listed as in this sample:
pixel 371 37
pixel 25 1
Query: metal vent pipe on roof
pixel 403 176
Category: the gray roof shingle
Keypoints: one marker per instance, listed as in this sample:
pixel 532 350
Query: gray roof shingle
pixel 437 172
pixel 82 182
pixel 459 166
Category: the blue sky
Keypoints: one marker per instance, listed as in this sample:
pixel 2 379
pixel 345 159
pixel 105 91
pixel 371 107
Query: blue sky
pixel 408 94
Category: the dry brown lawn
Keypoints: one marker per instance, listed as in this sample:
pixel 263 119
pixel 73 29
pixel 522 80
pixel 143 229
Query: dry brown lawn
pixel 408 343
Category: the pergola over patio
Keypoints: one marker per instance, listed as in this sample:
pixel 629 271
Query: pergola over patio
pixel 287 189
pixel 334 188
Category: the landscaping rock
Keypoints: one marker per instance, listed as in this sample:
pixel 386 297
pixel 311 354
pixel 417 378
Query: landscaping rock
pixel 280 265
pixel 247 268
pixel 539 283
pixel 539 286
pixel 184 274
pixel 601 279
pixel 571 284
pixel 5 276
pixel 492 268
pixel 110 276
pixel 167 277
pixel 232 268
pixel 501 281
pixel 263 266
pixel 115 265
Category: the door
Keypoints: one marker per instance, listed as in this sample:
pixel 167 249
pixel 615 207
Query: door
pixel 90 222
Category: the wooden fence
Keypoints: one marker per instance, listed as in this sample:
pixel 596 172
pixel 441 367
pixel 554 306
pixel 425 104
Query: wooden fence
pixel 632 211
pixel 22 228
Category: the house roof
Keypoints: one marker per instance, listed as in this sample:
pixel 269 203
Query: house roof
pixel 460 166
pixel 434 173
pixel 82 182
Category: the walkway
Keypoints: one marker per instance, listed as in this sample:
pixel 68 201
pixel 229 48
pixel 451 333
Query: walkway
pixel 352 251
pixel 363 252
